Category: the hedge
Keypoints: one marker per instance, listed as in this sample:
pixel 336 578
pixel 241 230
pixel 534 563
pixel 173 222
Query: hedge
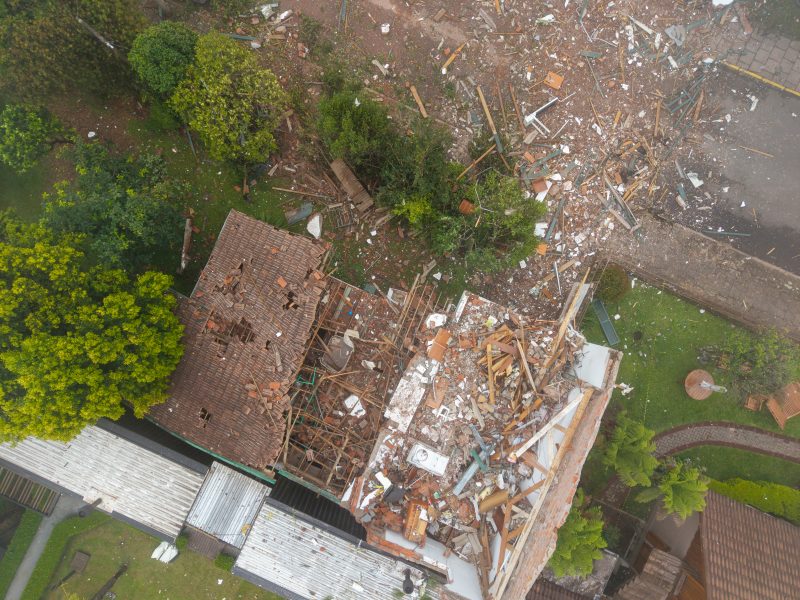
pixel 773 498
pixel 225 562
pixel 23 536
pixel 54 551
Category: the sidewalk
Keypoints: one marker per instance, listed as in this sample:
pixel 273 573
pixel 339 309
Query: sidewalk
pixel 709 272
pixel 67 506
pixel 772 56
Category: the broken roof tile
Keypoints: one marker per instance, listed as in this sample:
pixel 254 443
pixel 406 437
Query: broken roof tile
pixel 238 325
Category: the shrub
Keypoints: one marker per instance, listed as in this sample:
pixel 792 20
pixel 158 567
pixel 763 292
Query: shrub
pixel 225 562
pixel 23 536
pixel 161 55
pixel 614 284
pixel 761 364
pixel 779 500
pixel 54 551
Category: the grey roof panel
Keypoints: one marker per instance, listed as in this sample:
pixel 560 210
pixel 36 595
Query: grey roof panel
pixel 227 504
pixel 302 560
pixel 131 481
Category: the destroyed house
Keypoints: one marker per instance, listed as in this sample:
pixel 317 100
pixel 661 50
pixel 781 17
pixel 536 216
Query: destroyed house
pixel 246 325
pixel 455 433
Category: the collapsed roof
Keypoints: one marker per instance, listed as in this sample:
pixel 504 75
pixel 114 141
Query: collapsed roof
pixel 246 325
pixel 455 434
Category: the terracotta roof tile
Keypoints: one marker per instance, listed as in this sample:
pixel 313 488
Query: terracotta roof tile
pixel 748 554
pixel 243 332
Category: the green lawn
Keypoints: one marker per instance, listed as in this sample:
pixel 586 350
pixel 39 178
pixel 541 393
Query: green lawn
pixel 23 536
pixel 23 193
pixel 113 543
pixel 670 333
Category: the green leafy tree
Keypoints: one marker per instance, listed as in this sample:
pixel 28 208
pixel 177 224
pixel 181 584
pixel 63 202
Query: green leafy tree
pixel 630 452
pixel 48 46
pixel 125 206
pixel 77 343
pixel 580 540
pixel 161 55
pixel 681 489
pixel 230 101
pixel 760 364
pixel 503 223
pixel 28 133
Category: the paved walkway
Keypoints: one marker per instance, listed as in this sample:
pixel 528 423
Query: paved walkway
pixel 709 272
pixel 771 56
pixel 733 435
pixel 67 506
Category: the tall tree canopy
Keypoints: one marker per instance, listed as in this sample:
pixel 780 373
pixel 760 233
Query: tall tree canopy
pixel 76 342
pixel 26 134
pixel 580 540
pixel 125 205
pixel 50 45
pixel 230 101
pixel 161 55
pixel 630 452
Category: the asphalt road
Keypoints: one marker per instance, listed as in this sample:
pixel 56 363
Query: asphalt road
pixel 753 159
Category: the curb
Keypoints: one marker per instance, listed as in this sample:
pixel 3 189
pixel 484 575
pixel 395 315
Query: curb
pixel 774 84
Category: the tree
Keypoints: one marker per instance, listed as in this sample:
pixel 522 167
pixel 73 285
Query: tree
pixel 161 55
pixel 358 130
pixel 760 364
pixel 77 343
pixel 682 490
pixel 502 228
pixel 630 452
pixel 27 134
pixel 125 206
pixel 230 101
pixel 48 46
pixel 580 540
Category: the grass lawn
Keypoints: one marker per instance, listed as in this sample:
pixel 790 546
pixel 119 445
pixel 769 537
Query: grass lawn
pixel 661 336
pixel 777 16
pixel 23 193
pixel 113 543
pixel 23 536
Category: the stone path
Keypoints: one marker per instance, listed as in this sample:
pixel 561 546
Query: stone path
pixel 711 433
pixel 733 435
pixel 709 272
pixel 772 56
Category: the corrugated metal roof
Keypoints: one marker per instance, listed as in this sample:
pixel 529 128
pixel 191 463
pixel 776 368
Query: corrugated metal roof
pixel 134 482
pixel 227 504
pixel 297 559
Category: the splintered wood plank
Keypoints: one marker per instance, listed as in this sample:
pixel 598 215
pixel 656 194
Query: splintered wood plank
pixel 501 558
pixel 490 372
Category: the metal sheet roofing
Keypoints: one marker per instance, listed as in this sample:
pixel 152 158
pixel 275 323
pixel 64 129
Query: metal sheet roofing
pixel 298 559
pixel 136 483
pixel 227 504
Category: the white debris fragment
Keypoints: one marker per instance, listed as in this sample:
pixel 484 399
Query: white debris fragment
pixel 91 134
pixel 696 181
